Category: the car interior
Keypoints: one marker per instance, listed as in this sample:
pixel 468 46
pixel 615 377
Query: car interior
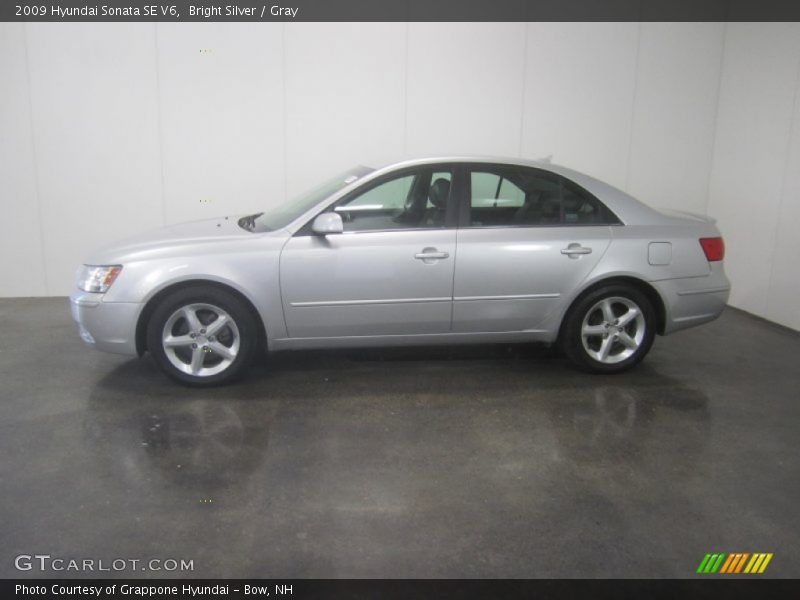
pixel 522 196
pixel 499 196
pixel 416 200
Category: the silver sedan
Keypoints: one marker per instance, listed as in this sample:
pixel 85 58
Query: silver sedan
pixel 435 251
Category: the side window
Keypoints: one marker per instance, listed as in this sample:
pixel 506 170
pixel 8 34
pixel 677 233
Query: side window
pixel 413 200
pixel 388 196
pixel 494 190
pixel 522 196
pixel 582 208
pixel 513 196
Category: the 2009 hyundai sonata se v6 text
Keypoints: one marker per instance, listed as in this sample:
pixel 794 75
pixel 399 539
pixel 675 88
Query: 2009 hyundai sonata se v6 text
pixel 434 251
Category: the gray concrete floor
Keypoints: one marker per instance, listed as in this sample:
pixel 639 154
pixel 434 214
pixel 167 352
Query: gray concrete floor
pixel 466 462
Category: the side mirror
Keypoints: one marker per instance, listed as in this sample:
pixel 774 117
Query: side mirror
pixel 327 222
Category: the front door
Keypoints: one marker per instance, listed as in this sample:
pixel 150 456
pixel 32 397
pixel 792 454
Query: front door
pixel 389 273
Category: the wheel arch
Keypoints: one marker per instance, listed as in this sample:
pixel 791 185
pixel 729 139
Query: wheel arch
pixel 639 284
pixel 155 299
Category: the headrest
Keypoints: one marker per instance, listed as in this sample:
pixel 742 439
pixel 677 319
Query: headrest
pixel 440 190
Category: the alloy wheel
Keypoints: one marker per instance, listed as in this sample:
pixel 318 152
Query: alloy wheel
pixel 200 339
pixel 613 329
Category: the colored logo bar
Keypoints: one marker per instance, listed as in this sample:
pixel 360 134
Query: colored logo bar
pixel 736 562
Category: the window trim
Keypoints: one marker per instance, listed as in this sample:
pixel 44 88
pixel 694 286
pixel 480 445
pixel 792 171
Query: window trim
pixel 465 209
pixel 452 209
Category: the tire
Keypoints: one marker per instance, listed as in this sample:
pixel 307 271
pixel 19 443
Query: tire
pixel 191 345
pixel 609 330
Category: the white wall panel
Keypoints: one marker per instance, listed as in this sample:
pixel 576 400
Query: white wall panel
pixel 221 100
pixel 111 130
pixel 464 88
pixel 783 300
pixel 22 268
pixel 93 96
pixel 579 90
pixel 759 81
pixel 345 98
pixel 675 109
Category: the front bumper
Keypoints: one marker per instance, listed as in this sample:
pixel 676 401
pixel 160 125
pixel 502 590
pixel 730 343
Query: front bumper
pixel 106 326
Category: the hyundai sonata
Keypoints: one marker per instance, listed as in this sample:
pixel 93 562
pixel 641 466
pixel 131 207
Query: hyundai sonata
pixel 434 251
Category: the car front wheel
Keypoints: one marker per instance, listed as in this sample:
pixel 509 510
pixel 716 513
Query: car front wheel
pixel 202 336
pixel 609 330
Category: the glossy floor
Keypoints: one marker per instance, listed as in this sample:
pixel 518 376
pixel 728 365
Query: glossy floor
pixel 467 462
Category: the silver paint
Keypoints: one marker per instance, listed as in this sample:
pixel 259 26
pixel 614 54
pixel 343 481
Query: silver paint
pixel 415 286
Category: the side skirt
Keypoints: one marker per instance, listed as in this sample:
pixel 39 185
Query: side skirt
pixel 368 341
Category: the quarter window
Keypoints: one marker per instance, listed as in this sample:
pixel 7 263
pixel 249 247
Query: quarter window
pixel 522 196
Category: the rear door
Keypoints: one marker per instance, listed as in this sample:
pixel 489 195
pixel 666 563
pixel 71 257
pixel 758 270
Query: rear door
pixel 527 238
pixel 389 273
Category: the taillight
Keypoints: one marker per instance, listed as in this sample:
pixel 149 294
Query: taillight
pixel 714 248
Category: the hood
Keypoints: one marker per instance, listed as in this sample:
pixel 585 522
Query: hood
pixel 174 239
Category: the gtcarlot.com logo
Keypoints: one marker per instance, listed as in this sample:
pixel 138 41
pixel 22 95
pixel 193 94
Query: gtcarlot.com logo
pixel 735 563
pixel 45 562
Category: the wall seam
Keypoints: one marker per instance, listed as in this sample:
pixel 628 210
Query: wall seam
pixel 782 195
pixel 524 88
pixel 405 93
pixel 716 116
pixel 285 115
pixel 36 188
pixel 633 109
pixel 159 126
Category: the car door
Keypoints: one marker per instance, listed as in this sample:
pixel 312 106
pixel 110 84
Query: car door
pixel 389 273
pixel 527 238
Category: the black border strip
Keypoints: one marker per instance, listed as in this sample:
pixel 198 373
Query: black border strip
pixel 418 589
pixel 408 10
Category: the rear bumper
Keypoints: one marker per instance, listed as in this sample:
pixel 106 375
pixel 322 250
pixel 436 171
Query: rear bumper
pixel 106 326
pixel 694 300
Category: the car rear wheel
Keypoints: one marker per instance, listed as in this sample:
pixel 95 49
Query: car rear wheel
pixel 609 330
pixel 202 336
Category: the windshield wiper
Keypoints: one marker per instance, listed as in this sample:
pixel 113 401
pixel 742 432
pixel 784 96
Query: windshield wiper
pixel 249 222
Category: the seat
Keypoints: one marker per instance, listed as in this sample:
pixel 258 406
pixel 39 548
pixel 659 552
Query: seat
pixel 540 208
pixel 525 213
pixel 438 194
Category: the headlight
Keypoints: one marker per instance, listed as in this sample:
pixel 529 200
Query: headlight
pixel 92 278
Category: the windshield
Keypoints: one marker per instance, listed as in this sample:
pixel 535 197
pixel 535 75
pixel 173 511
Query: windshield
pixel 280 216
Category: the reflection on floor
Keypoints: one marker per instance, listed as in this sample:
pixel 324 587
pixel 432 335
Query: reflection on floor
pixel 486 461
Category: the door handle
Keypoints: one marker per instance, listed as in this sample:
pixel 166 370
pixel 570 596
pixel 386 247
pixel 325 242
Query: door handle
pixel 574 249
pixel 431 254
